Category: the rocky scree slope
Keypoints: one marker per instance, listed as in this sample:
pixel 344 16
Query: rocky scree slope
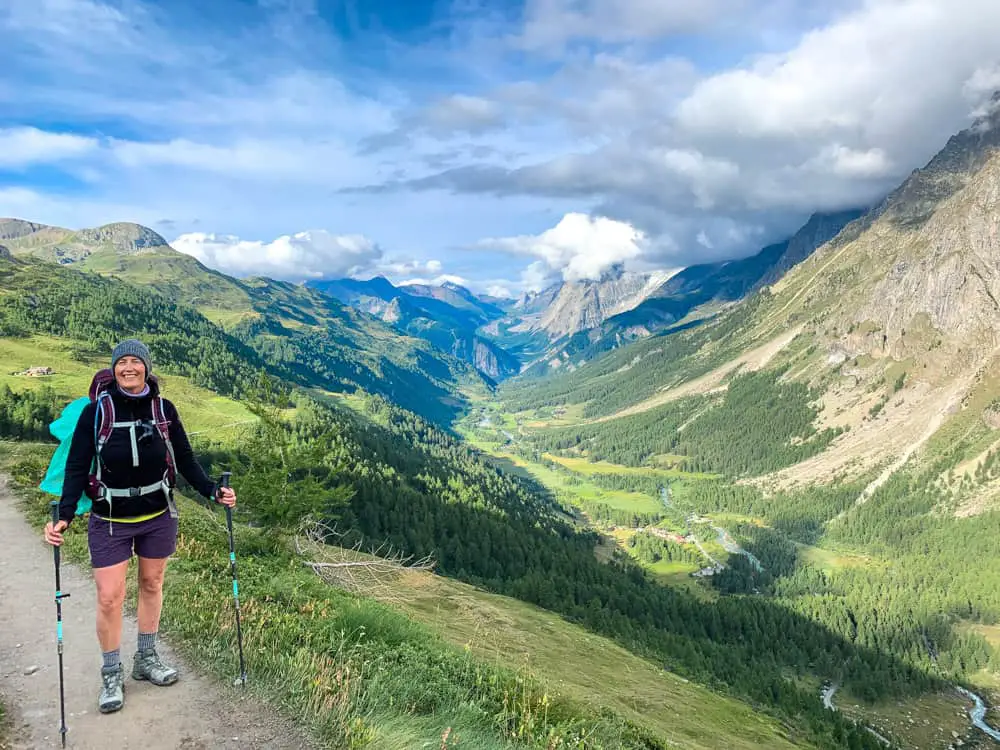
pixel 921 271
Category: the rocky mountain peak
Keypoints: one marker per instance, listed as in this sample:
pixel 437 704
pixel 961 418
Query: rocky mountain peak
pixel 612 273
pixel 124 237
pixel 919 276
pixel 534 302
pixel 15 229
pixel 946 272
pixel 581 305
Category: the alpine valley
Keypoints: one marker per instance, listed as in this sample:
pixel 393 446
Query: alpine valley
pixel 750 504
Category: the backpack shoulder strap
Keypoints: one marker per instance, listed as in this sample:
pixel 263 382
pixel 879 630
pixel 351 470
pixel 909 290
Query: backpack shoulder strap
pixel 104 424
pixel 160 418
pixel 104 420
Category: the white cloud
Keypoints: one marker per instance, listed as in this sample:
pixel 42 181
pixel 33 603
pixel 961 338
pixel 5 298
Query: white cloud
pixel 460 112
pixel 22 146
pixel 436 281
pixel 844 161
pixel 870 73
pixel 257 131
pixel 537 276
pixel 275 159
pixel 578 247
pixel 551 23
pixel 500 290
pixel 835 120
pixel 410 267
pixel 68 20
pixel 297 257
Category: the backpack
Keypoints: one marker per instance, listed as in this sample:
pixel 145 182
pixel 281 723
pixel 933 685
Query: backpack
pixel 104 424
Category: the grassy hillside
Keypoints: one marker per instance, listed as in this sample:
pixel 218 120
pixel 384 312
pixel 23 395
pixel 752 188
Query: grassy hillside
pixel 296 334
pixel 678 708
pixel 206 413
pixel 179 277
pixel 632 373
pixel 572 662
pixel 575 664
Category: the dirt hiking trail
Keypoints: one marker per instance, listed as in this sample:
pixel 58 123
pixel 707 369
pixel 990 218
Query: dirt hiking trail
pixel 196 713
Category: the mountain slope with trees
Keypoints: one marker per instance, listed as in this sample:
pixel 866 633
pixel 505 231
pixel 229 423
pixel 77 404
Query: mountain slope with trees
pixel 389 475
pixel 326 344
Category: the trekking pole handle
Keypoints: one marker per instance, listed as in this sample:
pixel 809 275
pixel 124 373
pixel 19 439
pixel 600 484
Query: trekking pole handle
pixel 223 482
pixel 54 505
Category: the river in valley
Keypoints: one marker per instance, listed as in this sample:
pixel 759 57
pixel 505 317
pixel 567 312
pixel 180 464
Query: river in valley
pixel 978 713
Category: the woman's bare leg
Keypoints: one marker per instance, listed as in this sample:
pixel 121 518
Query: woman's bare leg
pixel 110 598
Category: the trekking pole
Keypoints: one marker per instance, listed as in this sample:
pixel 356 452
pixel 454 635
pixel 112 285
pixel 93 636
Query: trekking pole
pixel 59 629
pixel 224 482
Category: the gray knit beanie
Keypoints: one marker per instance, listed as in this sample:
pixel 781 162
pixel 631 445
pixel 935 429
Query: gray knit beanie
pixel 135 348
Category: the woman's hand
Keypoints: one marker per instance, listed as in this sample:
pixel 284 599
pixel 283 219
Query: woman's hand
pixel 53 534
pixel 226 496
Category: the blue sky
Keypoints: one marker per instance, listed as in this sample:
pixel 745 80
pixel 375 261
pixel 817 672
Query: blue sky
pixel 503 144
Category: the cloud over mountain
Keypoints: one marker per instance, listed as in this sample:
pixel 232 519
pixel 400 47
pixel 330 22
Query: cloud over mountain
pixel 297 257
pixel 579 247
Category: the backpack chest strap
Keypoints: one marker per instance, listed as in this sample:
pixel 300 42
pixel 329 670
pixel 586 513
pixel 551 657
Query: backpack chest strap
pixel 131 432
pixel 105 422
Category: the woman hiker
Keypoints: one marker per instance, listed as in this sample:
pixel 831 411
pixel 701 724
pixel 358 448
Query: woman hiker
pixel 143 517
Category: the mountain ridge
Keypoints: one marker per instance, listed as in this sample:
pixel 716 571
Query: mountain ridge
pixel 693 295
pixel 69 246
pixel 425 314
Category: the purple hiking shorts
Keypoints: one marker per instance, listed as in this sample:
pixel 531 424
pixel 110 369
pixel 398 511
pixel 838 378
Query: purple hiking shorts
pixel 111 544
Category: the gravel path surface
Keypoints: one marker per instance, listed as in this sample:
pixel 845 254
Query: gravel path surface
pixel 193 714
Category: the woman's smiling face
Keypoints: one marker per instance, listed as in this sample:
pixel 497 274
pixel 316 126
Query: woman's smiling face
pixel 130 373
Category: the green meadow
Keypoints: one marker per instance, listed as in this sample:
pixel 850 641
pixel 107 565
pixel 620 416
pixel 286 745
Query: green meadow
pixel 204 413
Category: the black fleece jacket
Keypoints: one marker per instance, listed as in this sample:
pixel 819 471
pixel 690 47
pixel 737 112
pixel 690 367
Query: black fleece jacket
pixel 116 458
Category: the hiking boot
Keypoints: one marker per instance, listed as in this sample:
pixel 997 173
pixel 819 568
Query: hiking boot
pixel 147 666
pixel 112 696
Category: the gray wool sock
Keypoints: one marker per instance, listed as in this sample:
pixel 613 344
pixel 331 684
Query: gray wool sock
pixel 112 658
pixel 147 641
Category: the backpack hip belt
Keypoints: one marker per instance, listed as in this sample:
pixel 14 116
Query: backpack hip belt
pixel 135 491
pixel 109 493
